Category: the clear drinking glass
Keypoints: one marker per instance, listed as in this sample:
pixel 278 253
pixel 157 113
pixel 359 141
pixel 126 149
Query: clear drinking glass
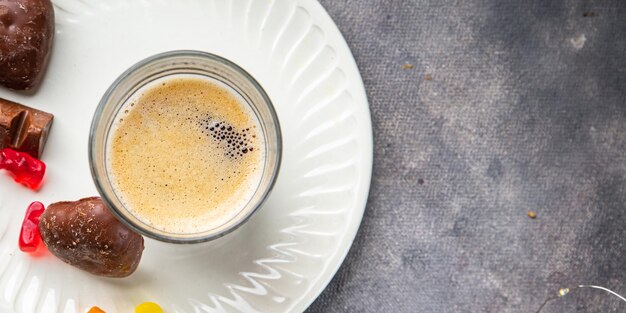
pixel 174 63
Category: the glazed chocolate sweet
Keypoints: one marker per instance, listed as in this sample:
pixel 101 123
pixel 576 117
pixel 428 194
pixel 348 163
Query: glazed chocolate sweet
pixel 86 235
pixel 24 129
pixel 26 34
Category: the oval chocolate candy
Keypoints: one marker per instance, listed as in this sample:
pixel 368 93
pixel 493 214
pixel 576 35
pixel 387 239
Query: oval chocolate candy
pixel 86 235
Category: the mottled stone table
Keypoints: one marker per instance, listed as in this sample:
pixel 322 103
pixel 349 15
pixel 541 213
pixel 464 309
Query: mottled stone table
pixel 510 106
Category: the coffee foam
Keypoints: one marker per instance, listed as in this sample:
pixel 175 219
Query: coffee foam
pixel 185 154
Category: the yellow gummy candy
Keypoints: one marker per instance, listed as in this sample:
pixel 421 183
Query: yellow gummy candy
pixel 148 307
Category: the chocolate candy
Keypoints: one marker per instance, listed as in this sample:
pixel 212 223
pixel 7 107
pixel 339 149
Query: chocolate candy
pixel 86 235
pixel 24 129
pixel 26 33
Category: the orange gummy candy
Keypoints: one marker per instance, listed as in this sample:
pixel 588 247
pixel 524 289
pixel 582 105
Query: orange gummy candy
pixel 95 309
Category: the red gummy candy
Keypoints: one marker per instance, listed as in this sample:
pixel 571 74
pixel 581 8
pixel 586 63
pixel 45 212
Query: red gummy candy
pixel 30 238
pixel 25 169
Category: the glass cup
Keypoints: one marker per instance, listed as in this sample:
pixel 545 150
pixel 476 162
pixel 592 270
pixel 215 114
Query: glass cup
pixel 174 63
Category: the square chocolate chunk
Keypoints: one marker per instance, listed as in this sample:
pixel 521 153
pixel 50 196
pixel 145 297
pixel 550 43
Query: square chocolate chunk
pixel 23 128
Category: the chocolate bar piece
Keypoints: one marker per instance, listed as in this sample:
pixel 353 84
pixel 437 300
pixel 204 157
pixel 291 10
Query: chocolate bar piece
pixel 86 235
pixel 26 34
pixel 22 128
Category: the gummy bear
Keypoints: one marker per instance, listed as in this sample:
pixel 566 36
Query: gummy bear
pixel 148 307
pixel 95 309
pixel 25 169
pixel 29 236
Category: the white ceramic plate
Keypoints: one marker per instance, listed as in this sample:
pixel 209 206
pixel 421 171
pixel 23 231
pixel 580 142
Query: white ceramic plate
pixel 287 253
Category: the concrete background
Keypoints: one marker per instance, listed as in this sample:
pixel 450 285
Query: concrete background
pixel 510 106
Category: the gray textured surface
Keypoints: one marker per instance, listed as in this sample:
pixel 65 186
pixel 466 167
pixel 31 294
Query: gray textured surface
pixel 521 113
